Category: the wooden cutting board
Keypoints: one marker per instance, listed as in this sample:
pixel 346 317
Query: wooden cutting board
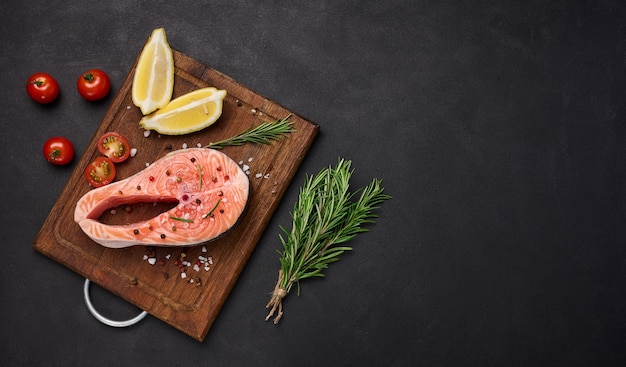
pixel 190 304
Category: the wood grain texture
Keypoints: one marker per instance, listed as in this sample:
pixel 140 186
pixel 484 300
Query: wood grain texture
pixel 159 289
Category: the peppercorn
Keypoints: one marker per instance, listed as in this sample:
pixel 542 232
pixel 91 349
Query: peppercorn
pixel 162 235
pixel 136 231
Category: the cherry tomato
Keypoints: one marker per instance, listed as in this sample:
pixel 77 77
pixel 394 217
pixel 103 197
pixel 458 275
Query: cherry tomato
pixel 58 150
pixel 42 88
pixel 114 146
pixel 100 172
pixel 94 85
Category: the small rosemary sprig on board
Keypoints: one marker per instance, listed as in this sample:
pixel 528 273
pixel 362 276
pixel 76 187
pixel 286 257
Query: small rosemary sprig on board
pixel 262 134
pixel 326 215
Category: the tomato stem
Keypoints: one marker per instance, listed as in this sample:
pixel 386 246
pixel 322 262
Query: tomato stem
pixel 55 154
pixel 88 77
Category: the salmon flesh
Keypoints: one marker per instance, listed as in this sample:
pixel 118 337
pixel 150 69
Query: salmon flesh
pixel 210 189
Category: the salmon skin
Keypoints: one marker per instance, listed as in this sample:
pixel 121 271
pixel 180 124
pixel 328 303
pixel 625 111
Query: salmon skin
pixel 210 189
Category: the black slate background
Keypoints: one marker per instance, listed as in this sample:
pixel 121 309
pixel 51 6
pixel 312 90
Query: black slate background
pixel 498 128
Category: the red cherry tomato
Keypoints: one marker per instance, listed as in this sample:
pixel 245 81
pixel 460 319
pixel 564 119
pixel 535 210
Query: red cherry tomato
pixel 58 150
pixel 94 85
pixel 114 146
pixel 42 88
pixel 100 172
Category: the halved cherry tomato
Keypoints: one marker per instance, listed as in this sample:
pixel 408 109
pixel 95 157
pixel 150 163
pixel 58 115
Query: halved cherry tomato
pixel 58 150
pixel 115 146
pixel 93 84
pixel 100 172
pixel 42 88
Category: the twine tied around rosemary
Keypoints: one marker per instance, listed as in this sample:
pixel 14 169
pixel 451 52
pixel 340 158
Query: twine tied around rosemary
pixel 276 302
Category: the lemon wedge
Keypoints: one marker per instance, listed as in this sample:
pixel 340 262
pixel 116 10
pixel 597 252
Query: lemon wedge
pixel 188 113
pixel 153 81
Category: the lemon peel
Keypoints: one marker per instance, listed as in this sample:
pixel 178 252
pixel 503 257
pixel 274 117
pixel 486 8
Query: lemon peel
pixel 153 82
pixel 188 113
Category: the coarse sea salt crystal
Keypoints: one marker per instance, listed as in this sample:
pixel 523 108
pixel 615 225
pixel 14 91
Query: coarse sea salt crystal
pixel 184 145
pixel 152 260
pixel 203 248
pixel 258 175
pixel 133 152
pixel 183 275
pixel 199 145
pixel 146 133
pixel 250 159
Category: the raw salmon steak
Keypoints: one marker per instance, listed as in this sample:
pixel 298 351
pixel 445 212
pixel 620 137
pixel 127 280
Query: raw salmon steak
pixel 210 189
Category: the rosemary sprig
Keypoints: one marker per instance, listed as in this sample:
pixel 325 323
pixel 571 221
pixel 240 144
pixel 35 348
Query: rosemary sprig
pixel 325 216
pixel 210 213
pixel 181 219
pixel 262 134
pixel 200 174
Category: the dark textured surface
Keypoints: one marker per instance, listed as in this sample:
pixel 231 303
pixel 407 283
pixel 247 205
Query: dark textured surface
pixel 498 128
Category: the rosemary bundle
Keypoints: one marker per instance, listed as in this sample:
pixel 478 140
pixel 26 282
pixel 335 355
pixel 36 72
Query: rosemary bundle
pixel 325 216
pixel 262 134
